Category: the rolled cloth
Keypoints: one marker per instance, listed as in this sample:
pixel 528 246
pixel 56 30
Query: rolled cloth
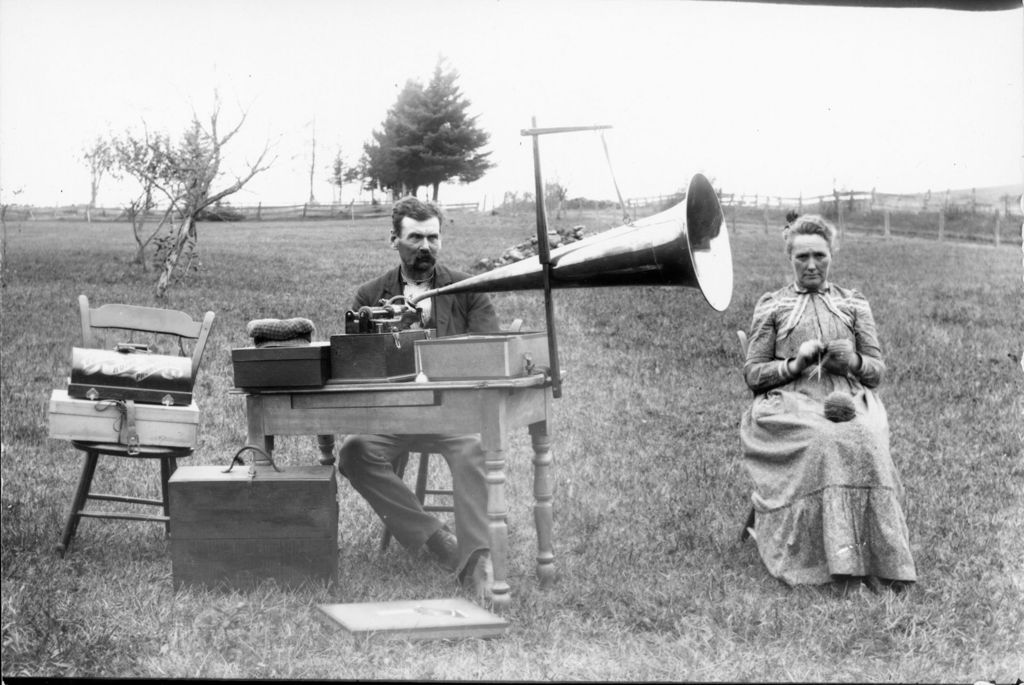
pixel 280 332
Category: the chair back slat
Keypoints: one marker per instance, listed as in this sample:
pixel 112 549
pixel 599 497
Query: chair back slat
pixel 743 343
pixel 146 320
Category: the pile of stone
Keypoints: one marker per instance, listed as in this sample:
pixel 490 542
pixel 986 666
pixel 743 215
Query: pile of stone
pixel 557 238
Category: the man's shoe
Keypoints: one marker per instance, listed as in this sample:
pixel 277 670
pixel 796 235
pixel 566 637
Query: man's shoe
pixel 445 548
pixel 478 576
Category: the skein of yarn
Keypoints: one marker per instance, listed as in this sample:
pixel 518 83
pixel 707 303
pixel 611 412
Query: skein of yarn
pixel 839 407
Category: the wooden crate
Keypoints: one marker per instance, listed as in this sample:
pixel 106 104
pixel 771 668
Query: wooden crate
pixel 491 356
pixel 231 530
pixel 366 356
pixel 100 421
pixel 300 366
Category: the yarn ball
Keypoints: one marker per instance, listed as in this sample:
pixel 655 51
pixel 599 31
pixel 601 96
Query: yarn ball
pixel 839 407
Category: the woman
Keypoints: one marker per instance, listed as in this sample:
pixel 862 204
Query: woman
pixel 816 439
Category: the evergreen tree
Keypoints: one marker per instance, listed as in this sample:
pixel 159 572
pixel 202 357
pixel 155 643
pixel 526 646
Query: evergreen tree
pixel 427 138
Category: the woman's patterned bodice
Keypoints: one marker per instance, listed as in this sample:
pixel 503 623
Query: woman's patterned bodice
pixel 788 317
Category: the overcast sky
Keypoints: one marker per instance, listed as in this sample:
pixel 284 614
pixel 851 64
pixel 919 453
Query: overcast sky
pixel 763 98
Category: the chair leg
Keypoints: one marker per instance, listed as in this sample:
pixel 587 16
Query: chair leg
pixel 421 477
pixel 78 502
pixel 399 467
pixel 167 467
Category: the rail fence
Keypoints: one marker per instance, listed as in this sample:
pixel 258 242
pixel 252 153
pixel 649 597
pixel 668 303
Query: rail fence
pixel 924 215
pixel 258 212
pixel 941 216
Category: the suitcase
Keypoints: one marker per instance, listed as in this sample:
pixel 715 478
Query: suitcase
pixel 300 366
pixel 233 529
pixel 112 375
pixel 489 356
pixel 105 421
pixel 376 356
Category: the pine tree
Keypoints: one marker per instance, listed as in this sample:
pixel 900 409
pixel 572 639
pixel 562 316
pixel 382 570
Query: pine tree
pixel 427 138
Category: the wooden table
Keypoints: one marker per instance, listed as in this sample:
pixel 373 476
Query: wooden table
pixel 490 408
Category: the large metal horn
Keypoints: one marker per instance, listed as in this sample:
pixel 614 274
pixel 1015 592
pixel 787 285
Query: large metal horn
pixel 685 245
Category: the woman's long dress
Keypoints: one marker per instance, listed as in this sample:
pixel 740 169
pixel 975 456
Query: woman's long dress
pixel 827 495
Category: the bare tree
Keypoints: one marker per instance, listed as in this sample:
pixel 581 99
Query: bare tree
pixel 184 174
pixel 100 157
pixel 144 159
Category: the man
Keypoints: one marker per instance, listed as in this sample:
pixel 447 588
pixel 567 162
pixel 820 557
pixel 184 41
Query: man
pixel 367 459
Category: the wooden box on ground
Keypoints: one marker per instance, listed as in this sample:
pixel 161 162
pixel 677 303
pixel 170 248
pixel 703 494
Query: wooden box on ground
pixel 101 421
pixel 367 356
pixel 139 376
pixel 233 530
pixel 300 366
pixel 490 356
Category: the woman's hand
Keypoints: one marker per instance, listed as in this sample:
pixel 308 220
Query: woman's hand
pixel 809 352
pixel 841 357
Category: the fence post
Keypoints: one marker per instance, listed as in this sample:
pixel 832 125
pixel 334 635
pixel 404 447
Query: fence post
pixel 304 205
pixel 998 221
pixel 732 206
pixel 766 218
pixel 885 215
pixel 800 204
pixel 839 214
pixel 942 224
pixel 259 209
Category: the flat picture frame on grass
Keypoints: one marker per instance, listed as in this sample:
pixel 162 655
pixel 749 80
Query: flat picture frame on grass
pixel 420 619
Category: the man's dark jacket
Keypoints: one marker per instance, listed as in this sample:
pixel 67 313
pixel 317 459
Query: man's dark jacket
pixel 454 314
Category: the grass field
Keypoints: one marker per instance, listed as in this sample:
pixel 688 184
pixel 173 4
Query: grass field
pixel 654 583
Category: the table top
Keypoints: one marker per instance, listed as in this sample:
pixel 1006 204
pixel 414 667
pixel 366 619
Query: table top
pixel 534 380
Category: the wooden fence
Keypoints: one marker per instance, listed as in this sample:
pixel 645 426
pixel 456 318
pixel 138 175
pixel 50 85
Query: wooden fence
pixel 992 226
pixel 259 212
pixel 940 217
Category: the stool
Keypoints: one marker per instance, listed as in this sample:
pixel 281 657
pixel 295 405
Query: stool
pixel 423 471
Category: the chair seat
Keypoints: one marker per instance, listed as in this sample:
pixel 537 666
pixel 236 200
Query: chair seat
pixel 145 451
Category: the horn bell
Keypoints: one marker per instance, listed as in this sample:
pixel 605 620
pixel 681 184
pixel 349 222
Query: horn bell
pixel 685 245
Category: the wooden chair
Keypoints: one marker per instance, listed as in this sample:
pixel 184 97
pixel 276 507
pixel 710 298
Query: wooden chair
pixel 149 322
pixel 748 526
pixel 423 473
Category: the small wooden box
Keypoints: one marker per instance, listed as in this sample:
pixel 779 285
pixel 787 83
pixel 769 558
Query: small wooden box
pixel 300 366
pixel 143 377
pixel 232 530
pixel 364 356
pixel 488 357
pixel 99 421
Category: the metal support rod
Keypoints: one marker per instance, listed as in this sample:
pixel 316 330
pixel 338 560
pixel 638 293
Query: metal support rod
pixel 543 249
pixel 544 256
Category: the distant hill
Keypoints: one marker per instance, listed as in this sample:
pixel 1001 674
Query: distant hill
pixel 991 195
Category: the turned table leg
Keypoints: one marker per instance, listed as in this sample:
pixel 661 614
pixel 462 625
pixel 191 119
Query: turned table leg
pixel 497 513
pixel 543 498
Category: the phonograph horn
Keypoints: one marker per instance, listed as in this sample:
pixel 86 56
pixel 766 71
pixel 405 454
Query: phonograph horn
pixel 686 245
